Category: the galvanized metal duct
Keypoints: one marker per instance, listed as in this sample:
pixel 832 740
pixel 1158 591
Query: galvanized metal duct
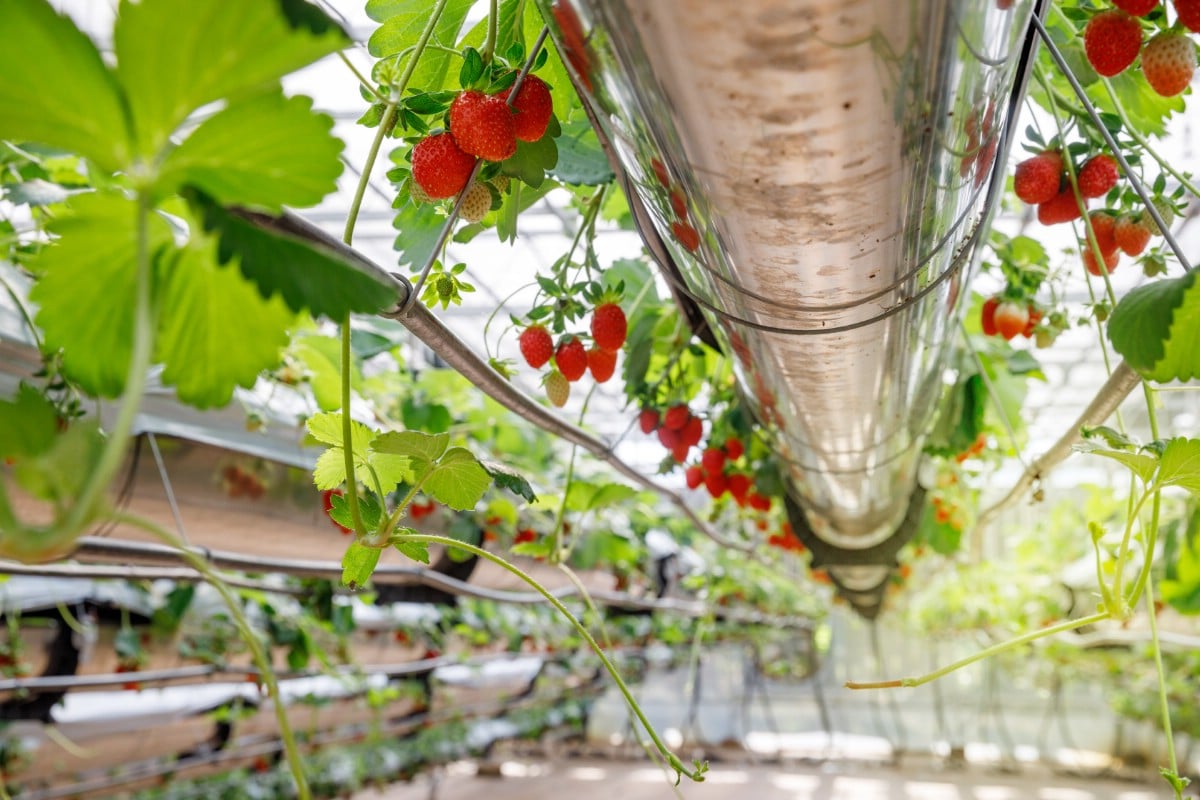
pixel 834 160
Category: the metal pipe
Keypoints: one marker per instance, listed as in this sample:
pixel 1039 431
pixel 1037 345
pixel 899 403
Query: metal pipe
pixel 822 173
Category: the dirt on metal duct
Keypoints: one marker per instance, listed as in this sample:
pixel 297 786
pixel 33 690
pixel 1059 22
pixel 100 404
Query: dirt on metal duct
pixel 820 171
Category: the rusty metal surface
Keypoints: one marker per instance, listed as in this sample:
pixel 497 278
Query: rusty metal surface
pixel 834 161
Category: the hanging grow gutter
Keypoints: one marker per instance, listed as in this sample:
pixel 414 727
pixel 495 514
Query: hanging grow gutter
pixel 833 163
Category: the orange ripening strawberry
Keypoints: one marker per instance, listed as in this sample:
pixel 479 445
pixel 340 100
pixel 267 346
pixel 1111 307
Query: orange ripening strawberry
pixel 571 358
pixel 1169 62
pixel 1060 208
pixel 482 125
pixel 1131 234
pixel 1091 265
pixel 601 363
pixel 536 345
pixel 1098 175
pixel 609 326
pixel 1038 179
pixel 440 167
pixel 1111 41
pixel 1011 319
pixel 1103 225
pixel 532 108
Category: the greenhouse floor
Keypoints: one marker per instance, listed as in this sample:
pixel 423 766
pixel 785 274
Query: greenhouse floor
pixel 603 780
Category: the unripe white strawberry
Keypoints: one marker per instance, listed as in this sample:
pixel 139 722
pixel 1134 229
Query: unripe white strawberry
pixel 476 203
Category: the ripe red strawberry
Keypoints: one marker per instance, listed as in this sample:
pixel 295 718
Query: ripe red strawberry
pixel 536 345
pixel 693 431
pixel 533 106
pixel 686 235
pixel 1103 224
pixel 713 459
pixel 987 316
pixel 739 486
pixel 1169 62
pixel 1131 234
pixel 680 452
pixel 482 125
pixel 571 358
pixel 609 326
pixel 558 389
pixel 1090 264
pixel 759 502
pixel 676 417
pixel 660 172
pixel 1188 12
pixel 1098 175
pixel 1111 41
pixel 648 420
pixel 1138 8
pixel 716 483
pixel 694 476
pixel 669 437
pixel 679 203
pixel 440 167
pixel 601 363
pixel 1011 319
pixel 1037 179
pixel 1060 208
pixel 734 448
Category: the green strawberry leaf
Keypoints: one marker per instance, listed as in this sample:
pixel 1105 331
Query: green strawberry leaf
pixel 403 22
pixel 581 162
pixel 422 449
pixel 58 474
pixel 263 152
pixel 86 294
pixel 229 49
pixel 457 480
pixel 305 275
pixel 330 470
pixel 55 89
pixel 417 551
pixel 369 510
pixel 505 478
pixel 28 424
pixel 533 159
pixel 1156 328
pixel 419 228
pixel 1139 464
pixel 1179 465
pixel 1181 584
pixel 359 564
pixel 216 330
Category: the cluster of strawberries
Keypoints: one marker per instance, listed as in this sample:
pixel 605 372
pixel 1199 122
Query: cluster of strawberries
pixel 678 429
pixel 683 230
pixel 1113 40
pixel 720 476
pixel 571 358
pixel 240 482
pixel 485 126
pixel 1041 181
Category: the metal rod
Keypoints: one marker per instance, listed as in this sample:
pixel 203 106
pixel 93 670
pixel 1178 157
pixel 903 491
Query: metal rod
pixel 1112 143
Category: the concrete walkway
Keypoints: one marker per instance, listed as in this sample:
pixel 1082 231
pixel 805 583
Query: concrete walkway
pixel 613 780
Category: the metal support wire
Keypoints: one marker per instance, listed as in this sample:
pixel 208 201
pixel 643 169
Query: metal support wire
pixel 127 551
pixel 1113 147
pixel 166 482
